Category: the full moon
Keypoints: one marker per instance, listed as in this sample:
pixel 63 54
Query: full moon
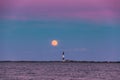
pixel 54 42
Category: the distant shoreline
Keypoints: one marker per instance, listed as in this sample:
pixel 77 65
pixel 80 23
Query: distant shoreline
pixel 63 62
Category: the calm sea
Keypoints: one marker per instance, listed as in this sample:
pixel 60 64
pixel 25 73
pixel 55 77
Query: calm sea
pixel 59 71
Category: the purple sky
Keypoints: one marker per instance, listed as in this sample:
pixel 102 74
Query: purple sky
pixel 85 29
pixel 97 10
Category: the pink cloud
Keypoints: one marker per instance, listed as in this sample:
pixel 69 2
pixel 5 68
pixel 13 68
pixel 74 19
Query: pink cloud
pixel 85 9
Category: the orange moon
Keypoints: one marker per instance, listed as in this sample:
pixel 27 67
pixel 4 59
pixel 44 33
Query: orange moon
pixel 54 42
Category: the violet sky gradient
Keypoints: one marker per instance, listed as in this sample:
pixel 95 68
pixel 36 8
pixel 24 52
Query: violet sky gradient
pixel 85 29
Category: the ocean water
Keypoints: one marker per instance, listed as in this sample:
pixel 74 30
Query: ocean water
pixel 59 71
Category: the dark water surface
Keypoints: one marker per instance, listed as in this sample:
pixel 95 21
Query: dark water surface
pixel 59 71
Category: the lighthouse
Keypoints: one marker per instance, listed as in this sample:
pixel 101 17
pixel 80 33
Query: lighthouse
pixel 63 57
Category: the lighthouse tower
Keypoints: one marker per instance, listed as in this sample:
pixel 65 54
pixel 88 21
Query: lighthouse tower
pixel 63 57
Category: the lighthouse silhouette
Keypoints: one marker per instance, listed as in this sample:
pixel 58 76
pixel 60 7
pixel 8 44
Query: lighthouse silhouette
pixel 63 56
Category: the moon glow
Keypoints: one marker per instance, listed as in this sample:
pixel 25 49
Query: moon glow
pixel 54 43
